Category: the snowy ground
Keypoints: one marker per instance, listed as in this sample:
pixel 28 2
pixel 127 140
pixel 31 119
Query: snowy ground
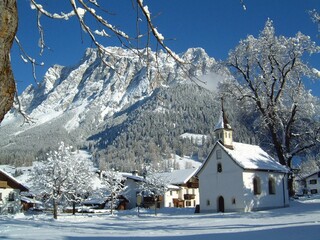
pixel 301 221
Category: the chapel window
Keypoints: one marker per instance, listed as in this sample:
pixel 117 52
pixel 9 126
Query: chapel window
pixel 256 186
pixel 272 186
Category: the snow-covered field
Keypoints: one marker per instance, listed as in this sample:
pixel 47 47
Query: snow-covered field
pixel 300 221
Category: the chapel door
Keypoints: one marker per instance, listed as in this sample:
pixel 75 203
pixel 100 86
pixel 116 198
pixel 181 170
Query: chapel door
pixel 220 204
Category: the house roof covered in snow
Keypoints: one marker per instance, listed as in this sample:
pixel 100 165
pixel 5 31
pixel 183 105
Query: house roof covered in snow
pixel 134 177
pixel 174 177
pixel 12 182
pixel 250 157
pixel 317 172
pixel 30 200
pixel 181 176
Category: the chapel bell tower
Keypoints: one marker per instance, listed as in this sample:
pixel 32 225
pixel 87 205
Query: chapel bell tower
pixel 223 130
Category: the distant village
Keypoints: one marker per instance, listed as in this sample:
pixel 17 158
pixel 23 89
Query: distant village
pixel 235 177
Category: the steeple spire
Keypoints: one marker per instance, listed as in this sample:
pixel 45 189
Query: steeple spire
pixel 223 129
pixel 224 116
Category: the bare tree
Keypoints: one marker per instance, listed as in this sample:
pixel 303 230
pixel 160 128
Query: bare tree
pixel 270 71
pixel 97 30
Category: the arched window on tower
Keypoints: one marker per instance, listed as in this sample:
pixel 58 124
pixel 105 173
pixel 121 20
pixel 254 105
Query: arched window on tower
pixel 219 167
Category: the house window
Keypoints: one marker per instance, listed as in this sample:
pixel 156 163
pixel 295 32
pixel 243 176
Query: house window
pixel 218 153
pixel 256 186
pixel 313 181
pixel 11 196
pixel 0 196
pixel 233 200
pixel 219 167
pixel 170 193
pixel 272 186
pixel 10 210
pixel 208 202
pixel 313 191
pixel 188 203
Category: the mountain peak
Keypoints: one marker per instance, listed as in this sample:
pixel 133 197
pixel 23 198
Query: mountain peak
pixel 82 100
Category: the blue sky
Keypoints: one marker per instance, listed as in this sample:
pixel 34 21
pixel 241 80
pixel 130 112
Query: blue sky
pixel 215 25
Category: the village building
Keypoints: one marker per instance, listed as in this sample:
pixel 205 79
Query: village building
pixel 311 183
pixel 240 177
pixel 183 189
pixel 132 184
pixel 10 189
pixel 30 202
pixel 186 191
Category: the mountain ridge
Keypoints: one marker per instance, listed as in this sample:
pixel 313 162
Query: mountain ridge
pixel 82 103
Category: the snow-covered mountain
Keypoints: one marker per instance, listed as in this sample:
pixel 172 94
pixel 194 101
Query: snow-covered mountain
pixel 83 102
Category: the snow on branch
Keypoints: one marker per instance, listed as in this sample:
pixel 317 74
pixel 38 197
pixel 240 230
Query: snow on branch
pixel 156 34
pixel 315 16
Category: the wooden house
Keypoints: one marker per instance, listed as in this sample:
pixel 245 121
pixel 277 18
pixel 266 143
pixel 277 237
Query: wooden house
pixel 311 183
pixel 183 190
pixel 185 193
pixel 10 189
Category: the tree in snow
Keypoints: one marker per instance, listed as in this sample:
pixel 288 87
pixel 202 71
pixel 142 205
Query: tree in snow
pixel 63 176
pixel 154 186
pixel 315 16
pixel 94 20
pixel 113 183
pixel 270 71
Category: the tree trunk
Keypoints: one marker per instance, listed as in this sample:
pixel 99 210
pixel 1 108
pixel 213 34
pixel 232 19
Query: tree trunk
pixel 55 209
pixel 74 207
pixel 8 30
pixel 111 206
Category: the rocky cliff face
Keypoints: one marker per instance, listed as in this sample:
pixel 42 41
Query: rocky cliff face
pixel 74 104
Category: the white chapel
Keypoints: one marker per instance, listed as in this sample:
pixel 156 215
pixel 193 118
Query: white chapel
pixel 240 177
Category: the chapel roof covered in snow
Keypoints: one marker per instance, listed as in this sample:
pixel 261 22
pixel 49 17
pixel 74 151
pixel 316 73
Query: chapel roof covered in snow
pixel 253 157
pixel 249 157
